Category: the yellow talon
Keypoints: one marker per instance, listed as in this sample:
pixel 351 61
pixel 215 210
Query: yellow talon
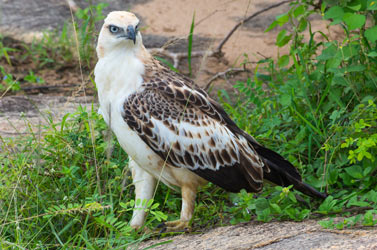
pixel 175 226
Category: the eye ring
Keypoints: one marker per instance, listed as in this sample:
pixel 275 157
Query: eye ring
pixel 113 29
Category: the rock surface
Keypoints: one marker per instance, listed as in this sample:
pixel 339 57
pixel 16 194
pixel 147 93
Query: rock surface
pixel 19 114
pixel 273 235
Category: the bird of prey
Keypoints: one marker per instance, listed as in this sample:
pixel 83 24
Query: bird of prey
pixel 172 130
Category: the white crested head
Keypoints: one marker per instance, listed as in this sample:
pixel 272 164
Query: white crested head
pixel 120 31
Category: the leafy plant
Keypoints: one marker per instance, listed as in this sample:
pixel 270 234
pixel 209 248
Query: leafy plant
pixel 86 30
pixel 316 105
pixel 53 49
pixel 7 81
pixel 4 51
pixel 278 202
pixel 50 192
pixel 32 78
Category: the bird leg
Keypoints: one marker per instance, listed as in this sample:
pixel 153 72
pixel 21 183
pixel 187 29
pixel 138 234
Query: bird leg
pixel 144 188
pixel 188 205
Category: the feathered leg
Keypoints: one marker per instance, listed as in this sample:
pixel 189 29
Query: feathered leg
pixel 144 188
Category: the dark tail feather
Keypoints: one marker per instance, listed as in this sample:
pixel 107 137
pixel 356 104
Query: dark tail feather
pixel 283 173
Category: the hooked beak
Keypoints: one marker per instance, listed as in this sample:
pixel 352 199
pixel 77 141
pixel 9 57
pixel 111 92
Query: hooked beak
pixel 131 34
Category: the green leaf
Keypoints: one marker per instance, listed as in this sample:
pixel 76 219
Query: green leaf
pixel 282 19
pixel 282 39
pixel 373 54
pixel 283 61
pixel 170 65
pixel 355 68
pixel 328 53
pixel 350 51
pixel 371 34
pixel 261 204
pixel 272 25
pixel 299 11
pixel 276 208
pixel 354 21
pixel 354 201
pixel 326 223
pixel 285 100
pixel 368 218
pixel 302 25
pixel 336 13
pixel 327 205
pixel 292 197
pixel 264 215
pixel 189 48
pixel 371 196
pixel 340 225
pixel 372 5
pixel 354 5
pixel 355 171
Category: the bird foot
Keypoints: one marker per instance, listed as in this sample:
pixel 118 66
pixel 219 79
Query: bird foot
pixel 174 226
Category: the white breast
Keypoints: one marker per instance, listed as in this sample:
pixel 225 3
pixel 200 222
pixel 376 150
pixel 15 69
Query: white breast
pixel 117 77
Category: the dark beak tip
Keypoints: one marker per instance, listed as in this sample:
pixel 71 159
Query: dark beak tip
pixel 131 34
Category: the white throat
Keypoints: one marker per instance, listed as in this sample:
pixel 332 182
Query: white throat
pixel 117 74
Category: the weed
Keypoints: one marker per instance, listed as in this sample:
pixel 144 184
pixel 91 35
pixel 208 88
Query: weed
pixel 316 106
pixel 4 51
pixel 86 31
pixel 32 78
pixel 189 48
pixel 56 48
pixel 7 81
pixel 49 192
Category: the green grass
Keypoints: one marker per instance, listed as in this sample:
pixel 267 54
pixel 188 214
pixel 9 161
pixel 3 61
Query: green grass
pixel 50 193
pixel 67 186
pixel 189 48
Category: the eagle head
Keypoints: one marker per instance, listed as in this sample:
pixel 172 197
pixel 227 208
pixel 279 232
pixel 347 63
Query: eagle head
pixel 120 30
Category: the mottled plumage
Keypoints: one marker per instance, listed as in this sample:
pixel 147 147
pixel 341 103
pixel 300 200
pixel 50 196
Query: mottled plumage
pixel 182 126
pixel 172 129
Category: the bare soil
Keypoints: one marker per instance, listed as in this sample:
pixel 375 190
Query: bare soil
pixel 64 91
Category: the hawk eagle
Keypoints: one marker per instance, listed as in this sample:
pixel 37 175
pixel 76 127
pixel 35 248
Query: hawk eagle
pixel 172 130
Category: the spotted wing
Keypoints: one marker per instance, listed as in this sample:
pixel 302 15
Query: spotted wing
pixel 181 125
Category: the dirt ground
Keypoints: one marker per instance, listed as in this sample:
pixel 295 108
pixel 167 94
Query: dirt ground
pixel 163 20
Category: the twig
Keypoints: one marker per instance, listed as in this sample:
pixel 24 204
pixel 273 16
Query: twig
pixel 49 87
pixel 218 50
pixel 177 56
pixel 223 74
pixel 348 210
pixel 205 18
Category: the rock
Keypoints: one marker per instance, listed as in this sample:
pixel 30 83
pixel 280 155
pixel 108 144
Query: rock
pixel 17 112
pixel 273 235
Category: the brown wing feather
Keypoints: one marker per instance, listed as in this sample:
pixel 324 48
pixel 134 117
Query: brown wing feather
pixel 200 99
pixel 180 124
pixel 240 164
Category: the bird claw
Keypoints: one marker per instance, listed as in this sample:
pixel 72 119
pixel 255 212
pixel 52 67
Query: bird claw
pixel 176 226
pixel 161 225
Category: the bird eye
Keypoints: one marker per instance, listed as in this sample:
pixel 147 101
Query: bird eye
pixel 113 29
pixel 137 27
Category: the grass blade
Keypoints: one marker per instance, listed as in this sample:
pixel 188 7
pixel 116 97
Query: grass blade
pixel 189 49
